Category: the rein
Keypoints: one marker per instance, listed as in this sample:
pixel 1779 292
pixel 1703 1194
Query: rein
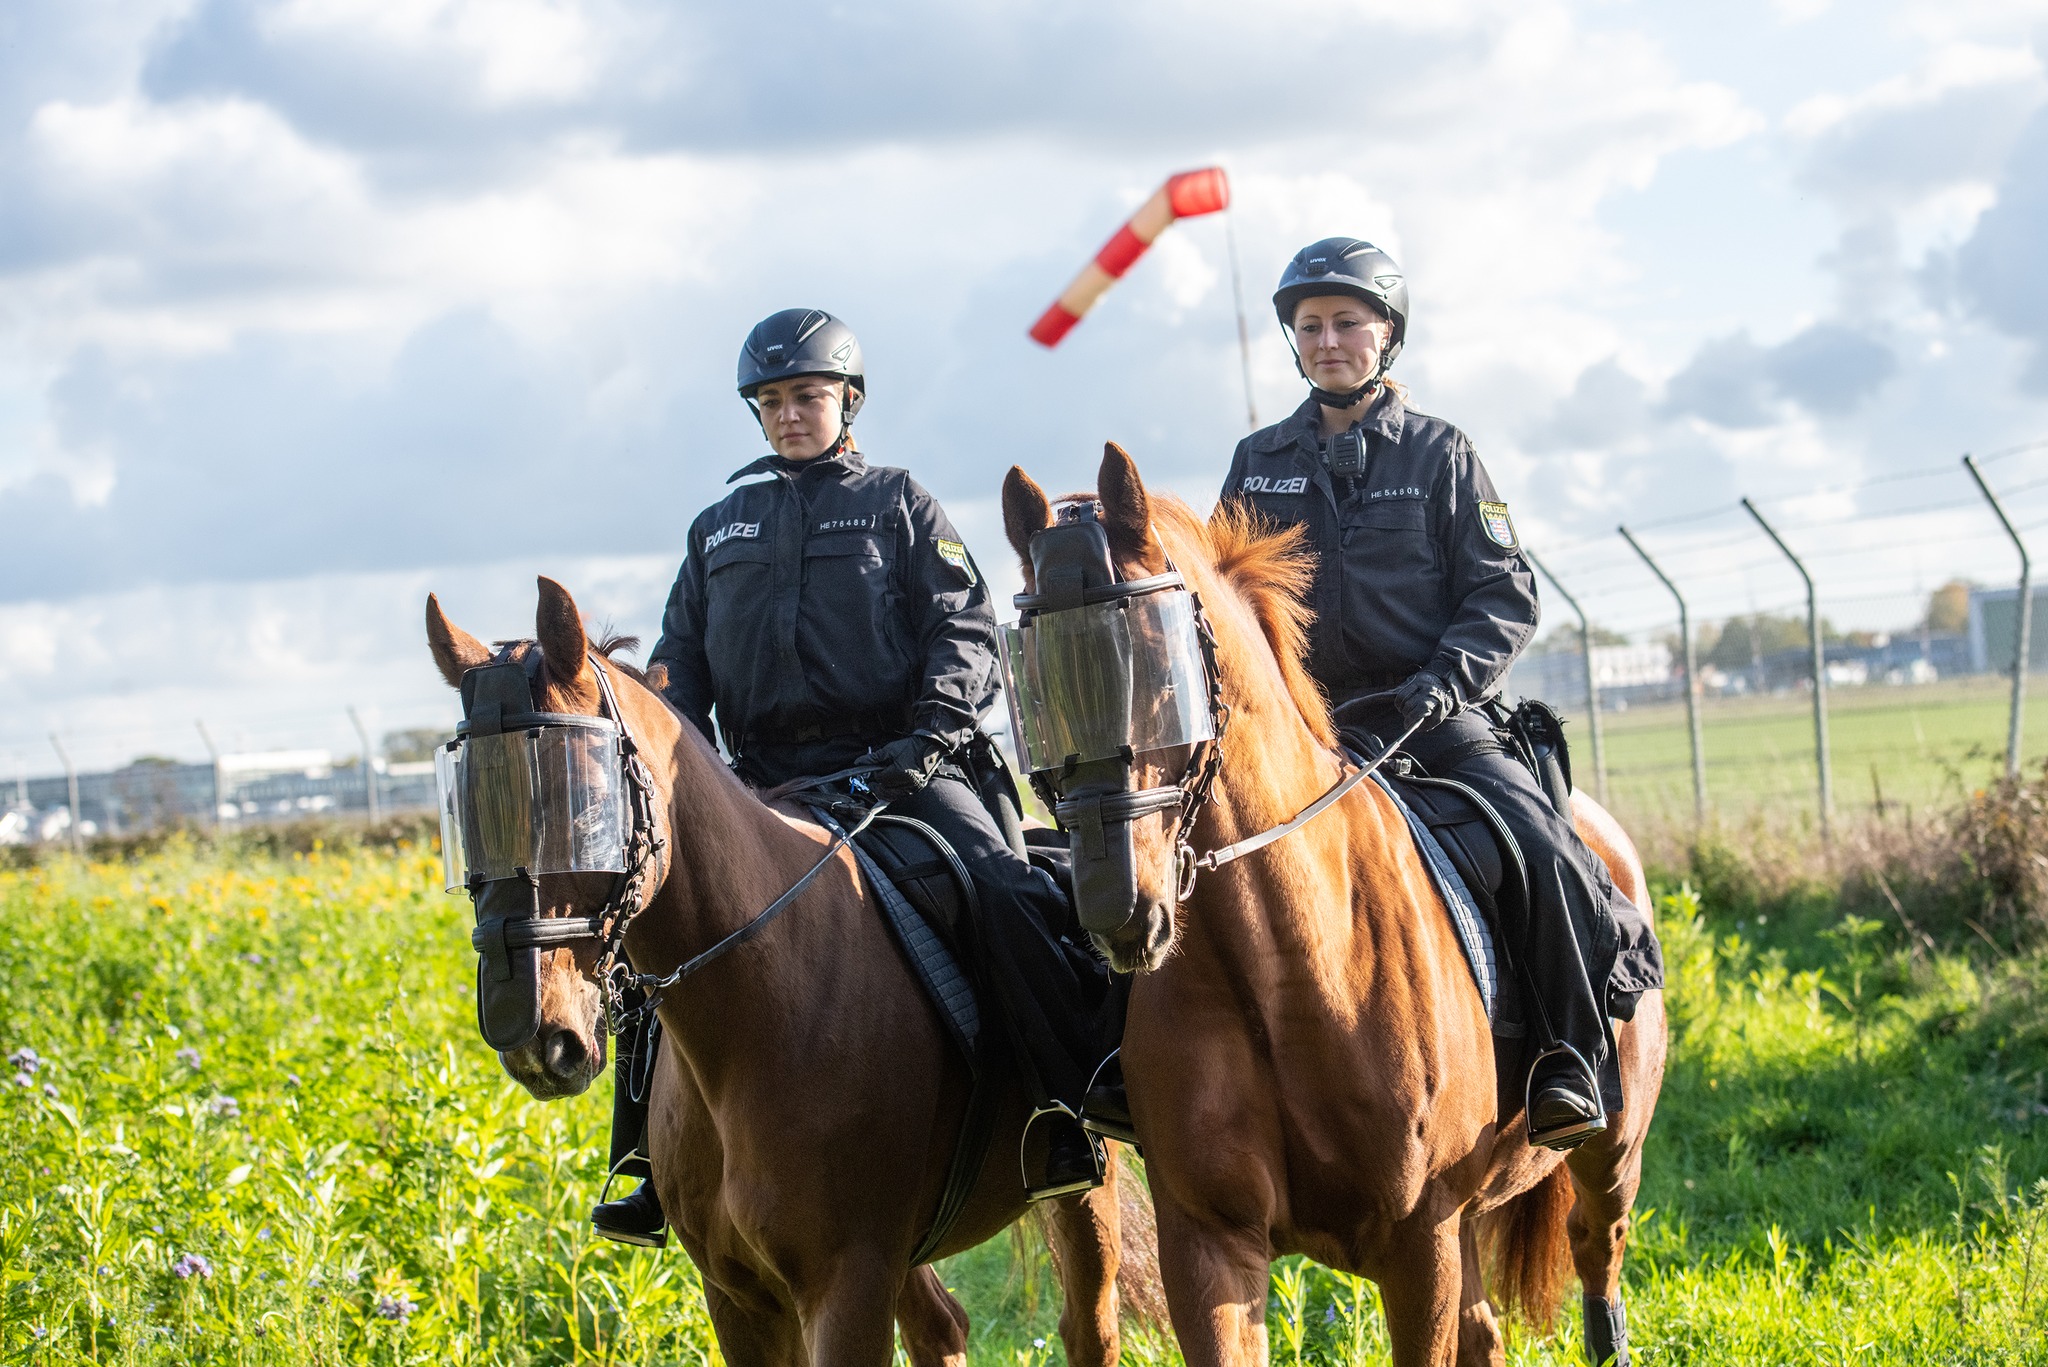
pixel 1216 859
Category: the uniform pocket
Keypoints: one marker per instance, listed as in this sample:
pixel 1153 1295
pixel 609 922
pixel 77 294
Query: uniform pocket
pixel 852 611
pixel 1393 586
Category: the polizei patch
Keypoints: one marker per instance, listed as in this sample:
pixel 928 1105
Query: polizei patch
pixel 1500 528
pixel 955 554
pixel 741 531
pixel 1262 484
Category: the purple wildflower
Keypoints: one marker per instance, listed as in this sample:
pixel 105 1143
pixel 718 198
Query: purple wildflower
pixel 225 1107
pixel 27 1060
pixel 395 1307
pixel 191 1265
pixel 24 1080
pixel 189 1057
pixel 50 1090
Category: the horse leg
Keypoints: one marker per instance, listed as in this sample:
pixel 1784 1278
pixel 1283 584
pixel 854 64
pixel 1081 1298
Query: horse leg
pixel 1216 1289
pixel 1605 1174
pixel 851 1318
pixel 933 1324
pixel 750 1338
pixel 1479 1339
pixel 1085 1233
pixel 1421 1290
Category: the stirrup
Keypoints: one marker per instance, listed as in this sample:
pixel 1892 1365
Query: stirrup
pixel 1566 1137
pixel 1111 1125
pixel 1052 1189
pixel 656 1238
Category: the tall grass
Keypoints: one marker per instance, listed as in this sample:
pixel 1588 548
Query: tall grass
pixel 259 1128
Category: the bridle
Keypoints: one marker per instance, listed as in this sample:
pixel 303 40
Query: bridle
pixel 646 869
pixel 1084 817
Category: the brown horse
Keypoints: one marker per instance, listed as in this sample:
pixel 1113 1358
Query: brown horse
pixel 806 1100
pixel 1310 1065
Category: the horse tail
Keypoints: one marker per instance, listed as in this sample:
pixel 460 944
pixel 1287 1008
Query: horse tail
pixel 1529 1252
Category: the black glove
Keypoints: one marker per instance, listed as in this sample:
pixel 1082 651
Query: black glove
pixel 907 765
pixel 1427 699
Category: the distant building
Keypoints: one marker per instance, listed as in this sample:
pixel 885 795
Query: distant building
pixel 1994 628
pixel 1624 675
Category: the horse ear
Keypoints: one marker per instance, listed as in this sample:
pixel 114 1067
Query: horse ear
pixel 559 626
pixel 1127 511
pixel 455 650
pixel 1026 511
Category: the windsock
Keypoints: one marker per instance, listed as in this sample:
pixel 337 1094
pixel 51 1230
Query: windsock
pixel 1183 196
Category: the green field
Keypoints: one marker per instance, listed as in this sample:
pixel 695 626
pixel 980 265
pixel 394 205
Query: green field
pixel 262 1073
pixel 1904 747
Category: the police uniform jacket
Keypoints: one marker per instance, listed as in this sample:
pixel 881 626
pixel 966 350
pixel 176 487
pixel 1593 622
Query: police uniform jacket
pixel 830 601
pixel 1417 562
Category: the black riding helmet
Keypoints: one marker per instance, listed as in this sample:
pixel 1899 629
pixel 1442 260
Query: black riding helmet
pixel 802 342
pixel 1345 265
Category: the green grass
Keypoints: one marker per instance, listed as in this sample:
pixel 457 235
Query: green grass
pixel 1899 746
pixel 271 1064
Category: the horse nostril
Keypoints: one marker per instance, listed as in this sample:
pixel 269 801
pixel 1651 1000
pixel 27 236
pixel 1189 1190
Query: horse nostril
pixel 564 1054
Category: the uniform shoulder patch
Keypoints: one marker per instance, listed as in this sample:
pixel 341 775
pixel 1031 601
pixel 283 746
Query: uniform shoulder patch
pixel 955 554
pixel 1500 528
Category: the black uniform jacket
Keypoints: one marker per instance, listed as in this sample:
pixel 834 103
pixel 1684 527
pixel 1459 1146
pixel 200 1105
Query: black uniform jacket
pixel 1411 572
pixel 833 600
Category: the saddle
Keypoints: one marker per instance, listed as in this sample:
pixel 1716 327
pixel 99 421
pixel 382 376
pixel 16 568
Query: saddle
pixel 1480 848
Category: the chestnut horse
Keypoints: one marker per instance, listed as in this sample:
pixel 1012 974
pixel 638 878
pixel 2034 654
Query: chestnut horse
pixel 1309 1062
pixel 806 1099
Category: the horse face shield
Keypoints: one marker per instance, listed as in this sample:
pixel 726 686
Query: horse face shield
pixel 524 794
pixel 1100 671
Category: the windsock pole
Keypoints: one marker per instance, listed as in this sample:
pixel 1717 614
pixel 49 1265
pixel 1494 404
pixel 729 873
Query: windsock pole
pixel 1183 196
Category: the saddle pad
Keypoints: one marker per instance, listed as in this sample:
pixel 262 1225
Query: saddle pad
pixel 1475 937
pixel 931 962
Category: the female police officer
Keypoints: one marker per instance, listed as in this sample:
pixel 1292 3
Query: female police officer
pixel 827 616
pixel 1423 599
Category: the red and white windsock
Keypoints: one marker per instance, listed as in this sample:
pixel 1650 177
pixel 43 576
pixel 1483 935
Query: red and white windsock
pixel 1183 196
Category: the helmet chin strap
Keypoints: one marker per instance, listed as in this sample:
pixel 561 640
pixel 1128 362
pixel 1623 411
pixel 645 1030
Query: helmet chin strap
pixel 1338 398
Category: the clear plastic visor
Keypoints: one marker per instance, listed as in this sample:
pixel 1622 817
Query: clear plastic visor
pixel 551 799
pixel 1087 682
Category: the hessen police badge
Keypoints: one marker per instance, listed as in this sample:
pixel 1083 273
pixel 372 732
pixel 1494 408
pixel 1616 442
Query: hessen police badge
pixel 955 554
pixel 1500 528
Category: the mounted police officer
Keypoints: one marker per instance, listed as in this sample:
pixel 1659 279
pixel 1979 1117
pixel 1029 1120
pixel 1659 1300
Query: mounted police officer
pixel 1423 599
pixel 826 616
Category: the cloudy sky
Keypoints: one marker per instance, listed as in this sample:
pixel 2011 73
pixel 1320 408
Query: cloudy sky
pixel 308 306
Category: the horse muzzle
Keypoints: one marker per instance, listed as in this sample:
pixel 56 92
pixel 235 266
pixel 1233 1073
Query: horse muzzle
pixel 1104 847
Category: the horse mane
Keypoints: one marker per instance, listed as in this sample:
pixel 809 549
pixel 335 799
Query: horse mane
pixel 1271 569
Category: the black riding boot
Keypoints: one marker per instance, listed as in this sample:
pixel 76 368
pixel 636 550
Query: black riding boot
pixel 635 1218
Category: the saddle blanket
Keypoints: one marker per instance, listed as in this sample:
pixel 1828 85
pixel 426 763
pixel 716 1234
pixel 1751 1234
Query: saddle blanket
pixel 1475 936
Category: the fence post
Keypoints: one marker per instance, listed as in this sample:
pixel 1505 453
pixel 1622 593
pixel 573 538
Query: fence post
pixel 71 788
pixel 1820 676
pixel 369 763
pixel 219 798
pixel 1692 682
pixel 1592 683
pixel 2021 650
